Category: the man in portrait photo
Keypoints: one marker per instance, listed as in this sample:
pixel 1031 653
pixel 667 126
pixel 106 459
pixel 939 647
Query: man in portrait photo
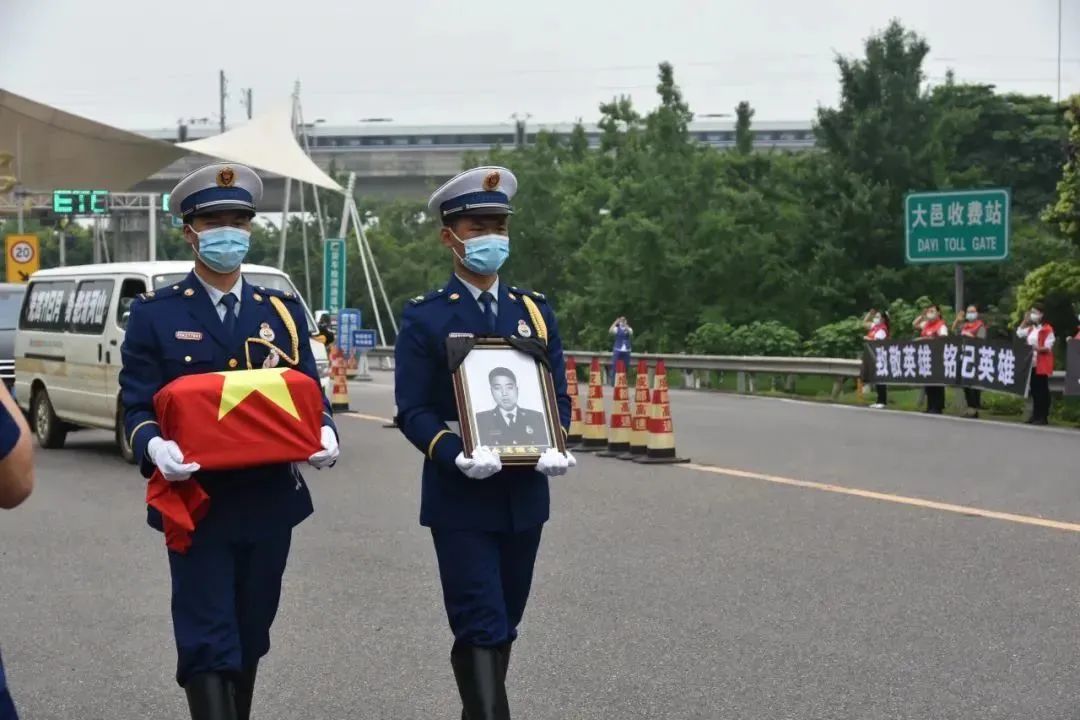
pixel 508 424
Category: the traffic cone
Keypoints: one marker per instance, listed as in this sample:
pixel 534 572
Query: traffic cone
pixel 619 428
pixel 339 391
pixel 594 435
pixel 573 437
pixel 639 424
pixel 661 445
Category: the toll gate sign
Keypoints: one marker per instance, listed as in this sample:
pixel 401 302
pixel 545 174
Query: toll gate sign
pixel 957 226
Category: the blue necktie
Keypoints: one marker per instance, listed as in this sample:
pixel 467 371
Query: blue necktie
pixel 229 321
pixel 486 299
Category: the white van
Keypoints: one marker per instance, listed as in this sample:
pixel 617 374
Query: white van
pixel 67 345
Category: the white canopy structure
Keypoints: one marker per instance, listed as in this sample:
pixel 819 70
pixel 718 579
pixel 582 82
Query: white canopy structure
pixel 57 150
pixel 267 143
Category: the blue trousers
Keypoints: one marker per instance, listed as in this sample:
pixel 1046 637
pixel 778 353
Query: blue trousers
pixel 616 357
pixel 7 706
pixel 224 598
pixel 486 578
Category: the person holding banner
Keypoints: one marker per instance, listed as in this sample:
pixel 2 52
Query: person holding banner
pixel 877 328
pixel 930 325
pixel 972 327
pixel 1040 336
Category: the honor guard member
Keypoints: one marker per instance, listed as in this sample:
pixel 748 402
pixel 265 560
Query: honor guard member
pixel 225 588
pixel 16 482
pixel 485 520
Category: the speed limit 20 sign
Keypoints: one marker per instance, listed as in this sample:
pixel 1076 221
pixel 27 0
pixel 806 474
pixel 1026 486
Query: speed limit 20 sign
pixel 22 257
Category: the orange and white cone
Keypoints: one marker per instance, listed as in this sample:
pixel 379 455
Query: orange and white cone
pixel 594 434
pixel 639 423
pixel 339 390
pixel 573 436
pixel 619 427
pixel 661 445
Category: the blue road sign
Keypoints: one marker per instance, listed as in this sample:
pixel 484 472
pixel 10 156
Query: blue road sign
pixel 348 323
pixel 363 340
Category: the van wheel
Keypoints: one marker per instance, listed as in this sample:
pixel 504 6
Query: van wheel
pixel 50 430
pixel 121 438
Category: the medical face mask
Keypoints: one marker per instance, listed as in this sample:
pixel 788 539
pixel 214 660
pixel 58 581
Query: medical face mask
pixel 971 316
pixel 484 254
pixel 223 248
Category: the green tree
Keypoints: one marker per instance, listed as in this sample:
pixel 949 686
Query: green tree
pixel 1065 212
pixel 744 138
pixel 1057 286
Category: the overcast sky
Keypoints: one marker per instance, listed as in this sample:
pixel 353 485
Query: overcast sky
pixel 430 62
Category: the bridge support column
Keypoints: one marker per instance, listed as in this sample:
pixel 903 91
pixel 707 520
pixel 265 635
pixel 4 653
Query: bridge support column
pixel 132 233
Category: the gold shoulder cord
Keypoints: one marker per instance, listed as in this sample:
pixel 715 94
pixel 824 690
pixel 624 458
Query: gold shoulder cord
pixel 287 318
pixel 536 317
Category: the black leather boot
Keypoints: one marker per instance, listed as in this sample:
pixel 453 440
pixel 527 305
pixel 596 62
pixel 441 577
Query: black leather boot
pixel 480 679
pixel 245 689
pixel 210 697
pixel 504 659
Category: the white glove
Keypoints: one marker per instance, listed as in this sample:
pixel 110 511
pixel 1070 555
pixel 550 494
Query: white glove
pixel 484 463
pixel 330 452
pixel 553 463
pixel 169 460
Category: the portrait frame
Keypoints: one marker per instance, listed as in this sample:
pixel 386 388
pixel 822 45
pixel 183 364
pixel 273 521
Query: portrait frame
pixel 474 398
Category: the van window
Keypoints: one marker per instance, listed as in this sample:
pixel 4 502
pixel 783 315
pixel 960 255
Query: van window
pixel 10 304
pixel 128 291
pixel 46 305
pixel 90 306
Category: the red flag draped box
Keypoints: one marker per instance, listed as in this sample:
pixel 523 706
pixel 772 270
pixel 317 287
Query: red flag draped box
pixel 228 421
pixel 242 418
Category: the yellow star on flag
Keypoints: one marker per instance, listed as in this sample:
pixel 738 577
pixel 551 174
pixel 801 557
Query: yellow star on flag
pixel 270 383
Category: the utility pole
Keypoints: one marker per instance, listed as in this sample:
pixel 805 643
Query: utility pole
pixel 247 101
pixel 221 96
pixel 1059 54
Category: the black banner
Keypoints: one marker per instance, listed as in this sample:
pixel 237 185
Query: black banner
pixel 995 365
pixel 1072 368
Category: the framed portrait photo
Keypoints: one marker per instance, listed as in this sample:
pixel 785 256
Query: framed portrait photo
pixel 506 402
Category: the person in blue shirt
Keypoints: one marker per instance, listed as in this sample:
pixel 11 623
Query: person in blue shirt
pixel 621 347
pixel 226 586
pixel 485 519
pixel 16 484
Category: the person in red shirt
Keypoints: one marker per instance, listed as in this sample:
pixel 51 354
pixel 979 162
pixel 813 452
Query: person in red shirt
pixel 1040 336
pixel 930 324
pixel 877 328
pixel 971 325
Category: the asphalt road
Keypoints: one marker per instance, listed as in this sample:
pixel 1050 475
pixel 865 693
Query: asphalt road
pixel 725 589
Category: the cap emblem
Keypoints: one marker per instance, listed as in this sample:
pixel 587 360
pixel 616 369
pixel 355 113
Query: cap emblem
pixel 226 177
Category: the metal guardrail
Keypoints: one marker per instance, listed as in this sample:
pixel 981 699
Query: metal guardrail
pixel 837 368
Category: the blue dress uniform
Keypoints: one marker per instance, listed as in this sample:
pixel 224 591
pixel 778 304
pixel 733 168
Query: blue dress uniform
pixel 225 588
pixel 486 532
pixel 9 436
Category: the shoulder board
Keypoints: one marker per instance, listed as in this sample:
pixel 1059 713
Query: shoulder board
pixel 274 292
pixel 421 299
pixel 160 293
pixel 538 296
